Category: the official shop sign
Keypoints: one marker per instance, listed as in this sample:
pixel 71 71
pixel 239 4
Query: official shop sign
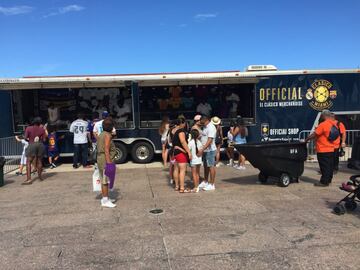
pixel 319 96
pixel 280 97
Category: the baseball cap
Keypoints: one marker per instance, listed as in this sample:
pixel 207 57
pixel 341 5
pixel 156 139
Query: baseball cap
pixel 197 117
pixel 105 114
pixel 326 113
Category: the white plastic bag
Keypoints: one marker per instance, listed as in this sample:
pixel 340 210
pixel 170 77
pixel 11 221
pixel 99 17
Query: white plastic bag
pixel 96 180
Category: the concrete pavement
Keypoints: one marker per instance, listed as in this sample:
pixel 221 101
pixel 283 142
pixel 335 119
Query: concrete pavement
pixel 59 224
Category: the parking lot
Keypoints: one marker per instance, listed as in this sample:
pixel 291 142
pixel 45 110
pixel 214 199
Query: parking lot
pixel 59 224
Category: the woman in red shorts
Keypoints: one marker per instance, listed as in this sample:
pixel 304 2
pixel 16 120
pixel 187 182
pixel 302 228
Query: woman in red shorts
pixel 182 154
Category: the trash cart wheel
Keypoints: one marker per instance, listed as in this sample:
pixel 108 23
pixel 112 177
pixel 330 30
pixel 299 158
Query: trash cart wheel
pixel 284 180
pixel 350 205
pixel 339 209
pixel 262 178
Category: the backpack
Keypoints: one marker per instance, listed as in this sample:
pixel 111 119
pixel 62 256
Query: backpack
pixel 334 133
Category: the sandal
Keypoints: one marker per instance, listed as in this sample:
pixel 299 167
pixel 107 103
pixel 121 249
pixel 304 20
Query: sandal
pixel 195 190
pixel 177 188
pixel 185 191
pixel 27 182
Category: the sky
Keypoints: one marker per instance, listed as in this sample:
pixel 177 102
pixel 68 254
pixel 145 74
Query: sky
pixel 52 37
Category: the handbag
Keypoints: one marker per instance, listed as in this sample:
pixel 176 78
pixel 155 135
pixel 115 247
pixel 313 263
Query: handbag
pixel 93 154
pixel 96 180
pixel 341 152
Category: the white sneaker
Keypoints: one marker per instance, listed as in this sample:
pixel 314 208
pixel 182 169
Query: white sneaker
pixel 171 181
pixel 209 187
pixel 203 184
pixel 107 203
pixel 231 163
pixel 240 167
pixel 112 200
pixel 218 165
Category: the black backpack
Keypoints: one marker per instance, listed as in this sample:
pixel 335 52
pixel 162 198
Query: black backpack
pixel 334 133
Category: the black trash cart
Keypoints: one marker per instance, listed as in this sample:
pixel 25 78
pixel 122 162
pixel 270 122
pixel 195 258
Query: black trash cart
pixel 283 160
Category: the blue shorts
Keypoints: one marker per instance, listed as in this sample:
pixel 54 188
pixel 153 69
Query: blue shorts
pixel 209 158
pixel 53 154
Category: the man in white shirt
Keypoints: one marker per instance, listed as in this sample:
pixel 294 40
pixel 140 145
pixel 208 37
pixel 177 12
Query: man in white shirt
pixel 208 152
pixel 204 108
pixel 98 128
pixel 53 114
pixel 81 138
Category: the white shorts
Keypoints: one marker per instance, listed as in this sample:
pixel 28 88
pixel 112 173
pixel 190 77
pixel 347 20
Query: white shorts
pixel 23 160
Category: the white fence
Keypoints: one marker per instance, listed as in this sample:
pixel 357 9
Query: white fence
pixel 11 150
pixel 351 135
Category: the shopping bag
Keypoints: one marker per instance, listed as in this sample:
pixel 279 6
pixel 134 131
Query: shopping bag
pixel 96 180
pixel 110 171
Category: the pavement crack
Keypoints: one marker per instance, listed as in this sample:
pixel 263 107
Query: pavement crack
pixel 59 254
pixel 164 243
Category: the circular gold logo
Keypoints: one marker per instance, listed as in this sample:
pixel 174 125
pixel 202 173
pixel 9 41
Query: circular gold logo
pixel 321 94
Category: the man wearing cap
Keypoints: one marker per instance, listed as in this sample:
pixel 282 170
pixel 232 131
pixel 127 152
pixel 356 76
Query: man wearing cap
pixel 98 128
pixel 324 148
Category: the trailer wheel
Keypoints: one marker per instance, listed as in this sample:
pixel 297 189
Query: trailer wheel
pixel 339 209
pixel 262 178
pixel 142 152
pixel 350 205
pixel 285 180
pixel 121 153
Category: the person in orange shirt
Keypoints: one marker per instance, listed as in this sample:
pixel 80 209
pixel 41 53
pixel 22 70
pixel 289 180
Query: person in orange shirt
pixel 339 142
pixel 324 148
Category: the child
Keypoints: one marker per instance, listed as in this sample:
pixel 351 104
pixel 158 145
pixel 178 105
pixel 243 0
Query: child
pixel 52 147
pixel 23 157
pixel 194 146
pixel 230 145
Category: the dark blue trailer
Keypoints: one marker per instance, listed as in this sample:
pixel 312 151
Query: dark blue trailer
pixel 276 105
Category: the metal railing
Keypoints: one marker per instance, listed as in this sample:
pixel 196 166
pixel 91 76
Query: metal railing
pixel 11 150
pixel 351 135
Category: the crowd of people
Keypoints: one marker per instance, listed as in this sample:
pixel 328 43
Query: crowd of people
pixel 198 145
pixel 42 140
pixel 183 144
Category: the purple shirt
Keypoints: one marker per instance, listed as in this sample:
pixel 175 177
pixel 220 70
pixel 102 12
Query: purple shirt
pixel 34 131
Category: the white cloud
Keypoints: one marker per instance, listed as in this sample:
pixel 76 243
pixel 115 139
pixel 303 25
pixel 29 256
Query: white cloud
pixel 70 9
pixel 63 10
pixel 205 16
pixel 182 25
pixel 15 10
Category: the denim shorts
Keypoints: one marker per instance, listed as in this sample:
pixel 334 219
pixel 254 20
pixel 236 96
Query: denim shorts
pixel 209 158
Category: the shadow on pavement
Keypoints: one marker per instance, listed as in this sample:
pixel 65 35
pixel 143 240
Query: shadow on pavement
pixel 306 179
pixel 115 194
pixel 249 180
pixel 332 204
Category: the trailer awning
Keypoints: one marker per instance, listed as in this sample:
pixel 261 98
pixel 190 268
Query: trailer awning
pixel 151 79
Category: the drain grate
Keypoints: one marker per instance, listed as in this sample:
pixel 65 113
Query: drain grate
pixel 156 211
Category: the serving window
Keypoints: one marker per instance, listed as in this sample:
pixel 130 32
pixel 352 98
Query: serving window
pixel 61 106
pixel 226 101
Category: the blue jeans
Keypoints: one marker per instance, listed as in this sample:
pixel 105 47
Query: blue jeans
pixel 80 150
pixel 209 159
